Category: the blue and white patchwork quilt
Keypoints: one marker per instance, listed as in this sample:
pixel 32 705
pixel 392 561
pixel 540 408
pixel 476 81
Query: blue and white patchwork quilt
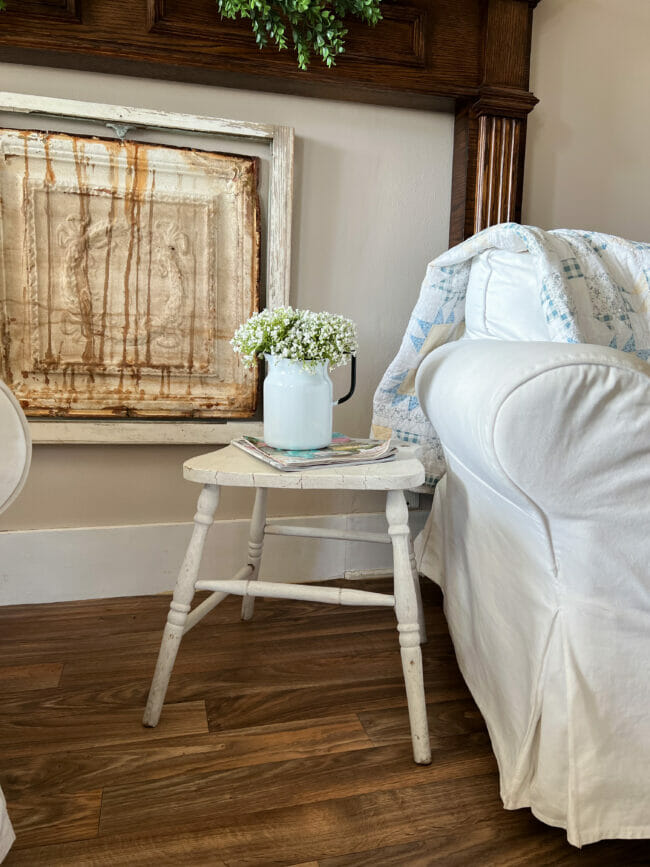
pixel 593 288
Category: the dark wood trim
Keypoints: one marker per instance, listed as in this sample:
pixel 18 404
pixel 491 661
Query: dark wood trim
pixel 424 53
pixel 499 170
pixel 463 178
pixel 504 102
pixel 490 132
pixel 467 56
pixel 55 10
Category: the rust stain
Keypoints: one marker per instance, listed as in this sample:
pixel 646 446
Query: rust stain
pixel 113 171
pixel 5 332
pixel 78 252
pixel 25 212
pixel 149 266
pixel 141 178
pixel 132 251
pixel 192 328
pixel 136 181
pixel 50 177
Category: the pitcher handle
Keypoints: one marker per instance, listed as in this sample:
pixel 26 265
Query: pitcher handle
pixel 353 382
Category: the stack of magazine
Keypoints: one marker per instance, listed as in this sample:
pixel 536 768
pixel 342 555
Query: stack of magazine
pixel 342 451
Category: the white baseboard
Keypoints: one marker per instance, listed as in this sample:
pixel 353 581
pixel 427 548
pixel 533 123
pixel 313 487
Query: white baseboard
pixel 100 562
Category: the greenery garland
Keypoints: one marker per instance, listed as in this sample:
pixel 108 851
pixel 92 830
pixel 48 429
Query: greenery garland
pixel 312 24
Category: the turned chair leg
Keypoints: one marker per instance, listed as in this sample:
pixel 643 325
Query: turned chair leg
pixel 418 594
pixel 408 624
pixel 180 604
pixel 255 546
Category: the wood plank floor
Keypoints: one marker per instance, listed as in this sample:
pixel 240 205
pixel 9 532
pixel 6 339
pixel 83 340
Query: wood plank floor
pixel 284 742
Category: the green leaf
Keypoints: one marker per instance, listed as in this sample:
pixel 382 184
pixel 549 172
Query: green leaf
pixel 315 25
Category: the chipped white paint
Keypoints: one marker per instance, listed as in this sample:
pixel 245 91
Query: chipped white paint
pixel 275 590
pixel 255 546
pixel 180 604
pixel 408 608
pixel 345 535
pixel 142 432
pixel 278 234
pixel 232 466
pixel 126 268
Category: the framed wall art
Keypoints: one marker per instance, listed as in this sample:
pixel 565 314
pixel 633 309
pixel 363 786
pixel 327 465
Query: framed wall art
pixel 127 262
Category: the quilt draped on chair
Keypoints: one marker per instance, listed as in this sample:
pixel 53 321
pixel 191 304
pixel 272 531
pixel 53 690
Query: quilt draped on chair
pixel 593 288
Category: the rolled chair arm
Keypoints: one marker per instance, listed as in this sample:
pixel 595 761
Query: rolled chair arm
pixel 520 414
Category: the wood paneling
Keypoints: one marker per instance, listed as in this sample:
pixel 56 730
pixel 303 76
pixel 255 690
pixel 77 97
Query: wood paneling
pixel 399 40
pixel 467 56
pixel 490 131
pixel 52 10
pixel 499 155
pixel 315 750
pixel 423 52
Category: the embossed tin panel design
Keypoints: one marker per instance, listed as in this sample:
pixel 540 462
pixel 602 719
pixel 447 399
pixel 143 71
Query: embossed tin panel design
pixel 126 268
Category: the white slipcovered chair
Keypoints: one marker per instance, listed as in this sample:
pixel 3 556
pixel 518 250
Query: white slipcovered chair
pixel 540 539
pixel 15 457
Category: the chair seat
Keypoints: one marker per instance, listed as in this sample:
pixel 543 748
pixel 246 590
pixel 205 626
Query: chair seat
pixel 232 466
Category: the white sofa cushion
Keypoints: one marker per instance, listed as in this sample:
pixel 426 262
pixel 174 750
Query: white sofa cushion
pixel 503 299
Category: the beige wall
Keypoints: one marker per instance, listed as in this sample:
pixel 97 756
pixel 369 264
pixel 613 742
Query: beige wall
pixel 587 162
pixel 371 209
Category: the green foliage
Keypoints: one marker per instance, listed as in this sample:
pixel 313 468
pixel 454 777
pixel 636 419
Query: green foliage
pixel 312 24
pixel 300 335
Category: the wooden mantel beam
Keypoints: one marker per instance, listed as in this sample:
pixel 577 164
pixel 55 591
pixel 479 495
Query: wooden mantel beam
pixel 469 56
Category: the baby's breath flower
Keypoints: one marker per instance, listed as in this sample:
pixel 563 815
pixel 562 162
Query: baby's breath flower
pixel 299 335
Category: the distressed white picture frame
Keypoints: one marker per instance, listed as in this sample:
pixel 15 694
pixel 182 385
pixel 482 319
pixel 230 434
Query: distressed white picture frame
pixel 280 140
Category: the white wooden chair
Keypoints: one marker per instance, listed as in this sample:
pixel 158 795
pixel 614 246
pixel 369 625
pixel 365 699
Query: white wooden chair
pixel 231 466
pixel 15 458
pixel 15 447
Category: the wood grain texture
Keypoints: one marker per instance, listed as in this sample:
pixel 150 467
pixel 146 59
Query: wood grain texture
pixel 170 757
pixel 43 818
pixel 59 724
pixel 421 53
pixel 232 466
pixel 490 130
pixel 467 56
pixel 501 147
pixel 21 678
pixel 315 749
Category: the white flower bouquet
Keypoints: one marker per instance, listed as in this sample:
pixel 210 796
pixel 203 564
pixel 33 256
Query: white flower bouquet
pixel 297 335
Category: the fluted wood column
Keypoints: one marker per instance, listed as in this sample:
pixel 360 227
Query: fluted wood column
pixel 490 131
pixel 498 169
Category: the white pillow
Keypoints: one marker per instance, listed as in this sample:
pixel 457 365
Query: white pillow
pixel 503 299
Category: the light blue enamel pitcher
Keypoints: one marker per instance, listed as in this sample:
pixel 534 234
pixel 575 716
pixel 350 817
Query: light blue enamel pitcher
pixel 298 403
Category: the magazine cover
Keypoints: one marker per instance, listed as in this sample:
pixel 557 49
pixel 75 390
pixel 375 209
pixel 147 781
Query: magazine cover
pixel 342 450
